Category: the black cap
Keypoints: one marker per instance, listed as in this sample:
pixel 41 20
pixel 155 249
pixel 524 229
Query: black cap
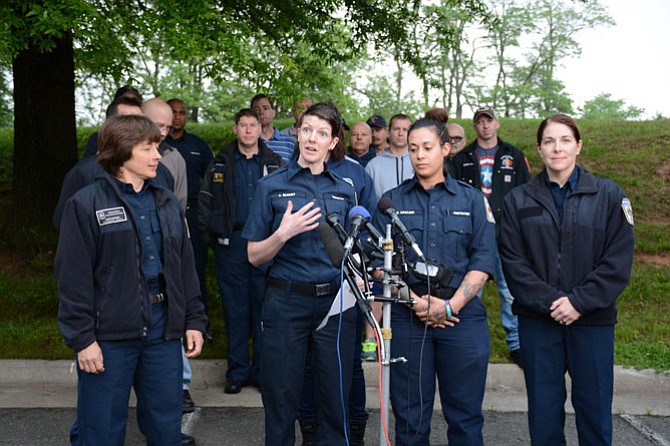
pixel 377 121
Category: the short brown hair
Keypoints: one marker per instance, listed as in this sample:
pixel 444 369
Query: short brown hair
pixel 560 118
pixel 117 137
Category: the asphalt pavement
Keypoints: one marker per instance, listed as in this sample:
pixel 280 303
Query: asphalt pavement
pixel 37 401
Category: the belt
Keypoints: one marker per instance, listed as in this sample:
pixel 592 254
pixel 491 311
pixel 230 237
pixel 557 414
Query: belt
pixel 314 289
pixel 160 297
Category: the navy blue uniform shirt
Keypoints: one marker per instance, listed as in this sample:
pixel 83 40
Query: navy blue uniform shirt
pixel 450 223
pixel 247 173
pixel 197 154
pixel 303 258
pixel 151 239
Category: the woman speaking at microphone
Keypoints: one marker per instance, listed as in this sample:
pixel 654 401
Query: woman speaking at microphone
pixel 445 333
pixel 283 235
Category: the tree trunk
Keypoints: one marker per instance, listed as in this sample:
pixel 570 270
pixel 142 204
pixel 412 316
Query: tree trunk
pixel 45 143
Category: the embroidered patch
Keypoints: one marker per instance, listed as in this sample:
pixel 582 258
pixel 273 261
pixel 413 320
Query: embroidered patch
pixel 507 162
pixel 218 177
pixel 111 216
pixel 627 211
pixel 489 212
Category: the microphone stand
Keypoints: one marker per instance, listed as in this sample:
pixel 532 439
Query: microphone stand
pixel 354 269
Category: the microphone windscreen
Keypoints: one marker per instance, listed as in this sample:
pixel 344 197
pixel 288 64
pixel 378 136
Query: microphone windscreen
pixel 359 210
pixel 384 204
pixel 334 247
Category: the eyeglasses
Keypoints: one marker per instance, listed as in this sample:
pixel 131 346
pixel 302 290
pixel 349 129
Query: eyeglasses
pixel 455 138
pixel 306 132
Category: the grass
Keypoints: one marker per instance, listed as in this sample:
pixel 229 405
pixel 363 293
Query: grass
pixel 635 154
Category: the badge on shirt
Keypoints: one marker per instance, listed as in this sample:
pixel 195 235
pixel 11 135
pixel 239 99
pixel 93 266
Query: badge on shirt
pixel 489 212
pixel 627 211
pixel 218 177
pixel 507 162
pixel 111 216
pixel 507 178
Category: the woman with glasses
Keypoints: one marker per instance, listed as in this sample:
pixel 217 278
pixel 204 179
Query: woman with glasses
pixel 283 235
pixel 566 244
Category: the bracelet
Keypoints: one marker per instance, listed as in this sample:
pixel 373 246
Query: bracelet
pixel 447 306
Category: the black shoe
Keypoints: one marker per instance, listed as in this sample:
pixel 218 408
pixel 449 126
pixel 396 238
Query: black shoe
pixel 187 404
pixel 233 387
pixel 187 440
pixel 308 432
pixel 515 356
pixel 357 433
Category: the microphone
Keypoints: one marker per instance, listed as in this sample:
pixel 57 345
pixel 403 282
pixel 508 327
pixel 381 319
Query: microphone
pixel 333 220
pixel 374 235
pixel 358 216
pixel 386 207
pixel 333 245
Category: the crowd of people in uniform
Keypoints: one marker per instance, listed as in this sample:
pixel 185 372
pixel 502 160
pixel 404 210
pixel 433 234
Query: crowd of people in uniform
pixel 138 214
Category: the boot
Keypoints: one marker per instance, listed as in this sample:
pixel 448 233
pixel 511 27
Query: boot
pixel 308 431
pixel 357 433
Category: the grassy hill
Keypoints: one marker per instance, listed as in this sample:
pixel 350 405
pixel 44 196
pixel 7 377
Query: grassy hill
pixel 634 154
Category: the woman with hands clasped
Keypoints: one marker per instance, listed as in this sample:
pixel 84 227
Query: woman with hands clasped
pixel 445 334
pixel 566 244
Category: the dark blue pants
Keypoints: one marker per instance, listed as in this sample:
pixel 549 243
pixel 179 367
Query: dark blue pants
pixel 242 287
pixel 357 413
pixel 458 356
pixel 289 328
pixel 153 367
pixel 587 354
pixel 199 250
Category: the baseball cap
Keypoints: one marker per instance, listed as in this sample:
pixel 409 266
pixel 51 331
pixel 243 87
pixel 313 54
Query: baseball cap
pixel 376 121
pixel 487 111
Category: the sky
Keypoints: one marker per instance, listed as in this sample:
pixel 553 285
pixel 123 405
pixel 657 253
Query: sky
pixel 630 60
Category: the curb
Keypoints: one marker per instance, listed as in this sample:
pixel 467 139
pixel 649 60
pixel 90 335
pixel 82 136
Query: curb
pixel 42 383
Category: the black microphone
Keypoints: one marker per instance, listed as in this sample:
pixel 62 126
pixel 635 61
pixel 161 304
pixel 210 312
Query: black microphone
pixel 333 246
pixel 358 216
pixel 333 219
pixel 375 235
pixel 386 206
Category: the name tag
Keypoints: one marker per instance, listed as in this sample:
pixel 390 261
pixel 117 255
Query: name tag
pixel 111 216
pixel 407 212
pixel 337 197
pixel 286 194
pixel 461 213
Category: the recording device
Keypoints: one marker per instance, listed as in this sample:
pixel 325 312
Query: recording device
pixel 438 273
pixel 386 207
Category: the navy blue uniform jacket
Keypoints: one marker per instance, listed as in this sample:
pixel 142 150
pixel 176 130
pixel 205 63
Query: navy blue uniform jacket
pixel 587 257
pixel 102 290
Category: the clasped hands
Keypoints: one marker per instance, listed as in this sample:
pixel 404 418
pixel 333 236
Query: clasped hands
pixel 438 312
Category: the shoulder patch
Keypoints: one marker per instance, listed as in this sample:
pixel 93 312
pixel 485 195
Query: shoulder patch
pixel 489 212
pixel 627 211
